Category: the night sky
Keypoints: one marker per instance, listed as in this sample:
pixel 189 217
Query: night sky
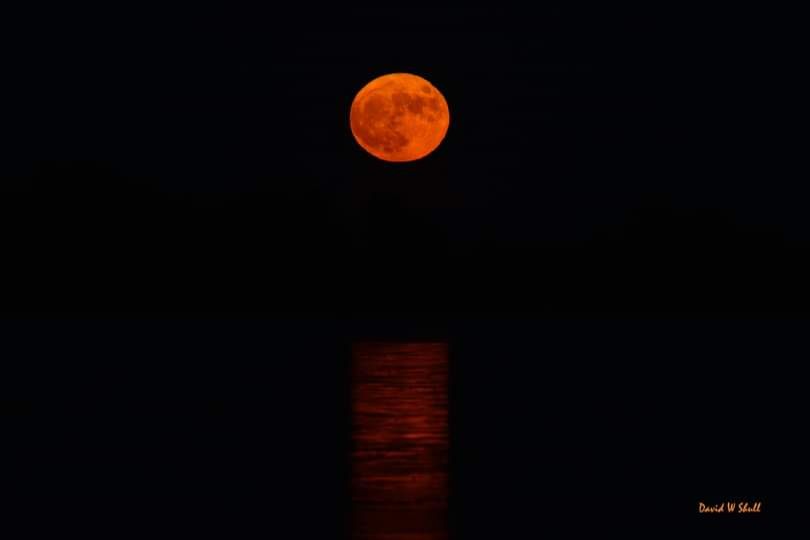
pixel 193 238
pixel 202 159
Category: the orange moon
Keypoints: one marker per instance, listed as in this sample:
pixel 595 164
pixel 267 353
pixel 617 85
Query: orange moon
pixel 399 117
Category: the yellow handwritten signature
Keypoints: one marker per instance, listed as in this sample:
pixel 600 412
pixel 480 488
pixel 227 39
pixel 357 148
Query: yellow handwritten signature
pixel 730 507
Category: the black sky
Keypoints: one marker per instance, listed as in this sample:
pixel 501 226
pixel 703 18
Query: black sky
pixel 213 145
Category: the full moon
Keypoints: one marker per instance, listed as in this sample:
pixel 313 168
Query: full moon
pixel 399 117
